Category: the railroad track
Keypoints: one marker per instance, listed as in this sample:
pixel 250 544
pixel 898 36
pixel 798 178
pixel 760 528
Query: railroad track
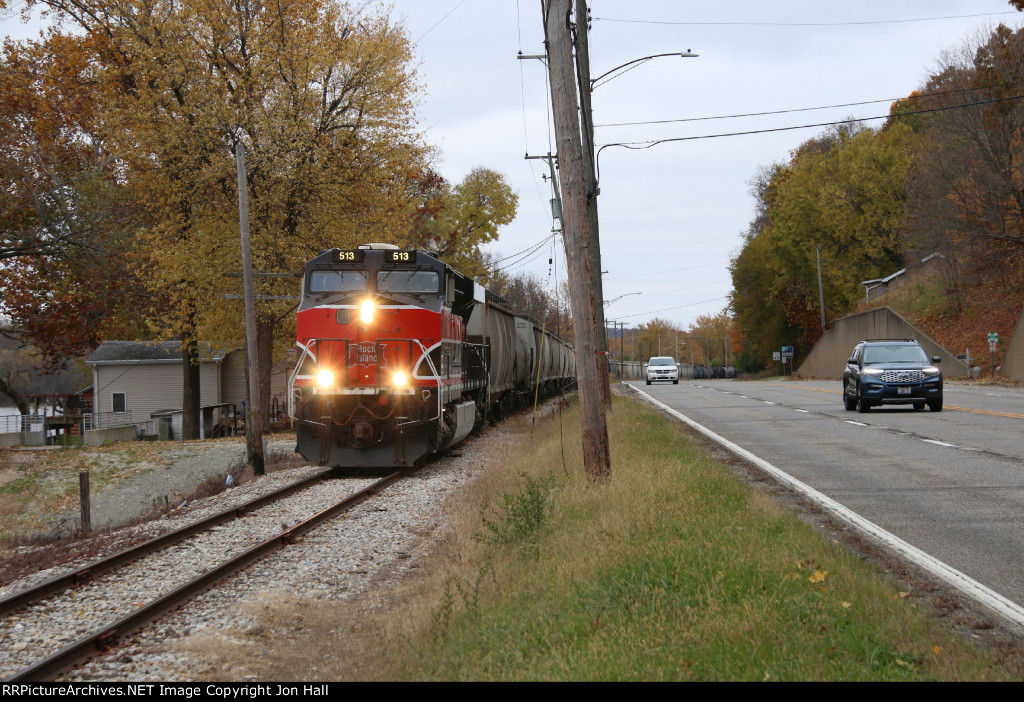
pixel 22 609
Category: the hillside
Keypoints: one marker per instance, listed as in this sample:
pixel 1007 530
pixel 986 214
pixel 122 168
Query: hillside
pixel 959 308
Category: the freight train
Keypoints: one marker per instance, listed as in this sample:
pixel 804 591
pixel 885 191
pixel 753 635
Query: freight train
pixel 401 356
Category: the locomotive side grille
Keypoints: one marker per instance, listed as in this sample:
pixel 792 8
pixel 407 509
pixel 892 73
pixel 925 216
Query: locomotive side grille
pixel 902 376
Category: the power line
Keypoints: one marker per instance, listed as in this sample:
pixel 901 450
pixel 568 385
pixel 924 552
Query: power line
pixel 526 258
pixel 640 145
pixel 674 270
pixel 522 94
pixel 802 24
pixel 669 309
pixel 440 21
pixel 799 109
pixel 530 249
pixel 522 264
pixel 688 287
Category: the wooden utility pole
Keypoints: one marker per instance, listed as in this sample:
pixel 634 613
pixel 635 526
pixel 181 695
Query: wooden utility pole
pixel 255 414
pixel 590 175
pixel 576 233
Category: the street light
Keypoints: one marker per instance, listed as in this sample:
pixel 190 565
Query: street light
pixel 681 54
pixel 586 87
pixel 608 302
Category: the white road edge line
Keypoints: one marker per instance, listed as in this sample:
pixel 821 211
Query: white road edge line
pixel 971 588
pixel 938 443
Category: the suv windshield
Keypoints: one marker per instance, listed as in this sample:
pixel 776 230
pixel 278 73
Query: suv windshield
pixel 662 362
pixel 902 353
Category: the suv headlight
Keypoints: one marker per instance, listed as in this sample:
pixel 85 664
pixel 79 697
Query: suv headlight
pixel 930 370
pixel 872 371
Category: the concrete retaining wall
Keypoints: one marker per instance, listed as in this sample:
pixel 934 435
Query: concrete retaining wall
pixel 22 438
pixel 33 438
pixel 98 437
pixel 1013 363
pixel 828 357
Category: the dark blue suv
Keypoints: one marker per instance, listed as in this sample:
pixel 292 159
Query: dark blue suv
pixel 891 372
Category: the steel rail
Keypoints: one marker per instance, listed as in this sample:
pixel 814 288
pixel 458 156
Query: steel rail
pixel 98 643
pixel 87 572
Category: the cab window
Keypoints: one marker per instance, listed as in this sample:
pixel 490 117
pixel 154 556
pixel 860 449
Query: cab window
pixel 407 281
pixel 337 281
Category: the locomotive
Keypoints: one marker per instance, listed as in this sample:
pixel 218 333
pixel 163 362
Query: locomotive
pixel 401 356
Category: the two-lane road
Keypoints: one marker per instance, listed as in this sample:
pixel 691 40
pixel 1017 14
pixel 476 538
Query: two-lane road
pixel 950 483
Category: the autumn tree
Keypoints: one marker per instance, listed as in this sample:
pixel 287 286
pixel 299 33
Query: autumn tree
pixel 320 94
pixel 843 193
pixel 711 336
pixel 969 182
pixel 658 337
pixel 457 221
pixel 21 375
pixel 66 215
pixel 527 293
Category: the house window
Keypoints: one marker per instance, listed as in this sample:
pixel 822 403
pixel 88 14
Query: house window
pixel 120 402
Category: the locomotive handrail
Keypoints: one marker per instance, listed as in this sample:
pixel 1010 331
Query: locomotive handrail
pixel 295 374
pixel 433 369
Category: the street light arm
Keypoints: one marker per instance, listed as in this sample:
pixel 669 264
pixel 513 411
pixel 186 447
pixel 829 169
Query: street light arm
pixel 609 302
pixel 681 54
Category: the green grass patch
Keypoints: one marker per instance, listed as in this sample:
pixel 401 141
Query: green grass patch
pixel 673 570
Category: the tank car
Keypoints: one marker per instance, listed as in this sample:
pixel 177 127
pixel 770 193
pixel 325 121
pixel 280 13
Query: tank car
pixel 401 356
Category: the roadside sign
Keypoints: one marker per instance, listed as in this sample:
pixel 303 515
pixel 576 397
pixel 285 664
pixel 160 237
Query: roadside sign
pixel 993 347
pixel 993 337
pixel 787 352
pixel 776 355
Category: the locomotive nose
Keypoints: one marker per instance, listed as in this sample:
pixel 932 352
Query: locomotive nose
pixel 362 433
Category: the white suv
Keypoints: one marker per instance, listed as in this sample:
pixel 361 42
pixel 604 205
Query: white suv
pixel 662 368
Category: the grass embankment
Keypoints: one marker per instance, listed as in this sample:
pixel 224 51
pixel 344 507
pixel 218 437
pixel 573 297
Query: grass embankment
pixel 674 570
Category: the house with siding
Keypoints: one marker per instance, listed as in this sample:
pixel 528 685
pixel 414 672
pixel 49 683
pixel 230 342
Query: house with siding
pixel 138 382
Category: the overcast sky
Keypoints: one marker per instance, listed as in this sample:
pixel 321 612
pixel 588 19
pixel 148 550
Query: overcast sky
pixel 671 216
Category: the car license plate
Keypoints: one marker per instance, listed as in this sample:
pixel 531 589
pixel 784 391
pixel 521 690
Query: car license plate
pixel 902 391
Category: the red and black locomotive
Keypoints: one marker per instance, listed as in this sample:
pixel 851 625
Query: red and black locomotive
pixel 401 356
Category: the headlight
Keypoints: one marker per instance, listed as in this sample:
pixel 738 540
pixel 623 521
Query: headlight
pixel 366 311
pixel 872 371
pixel 930 370
pixel 325 378
pixel 399 379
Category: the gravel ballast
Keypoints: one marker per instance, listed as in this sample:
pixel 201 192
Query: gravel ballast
pixel 356 555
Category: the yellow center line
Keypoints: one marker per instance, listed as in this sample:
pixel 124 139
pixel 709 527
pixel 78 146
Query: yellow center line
pixel 955 408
